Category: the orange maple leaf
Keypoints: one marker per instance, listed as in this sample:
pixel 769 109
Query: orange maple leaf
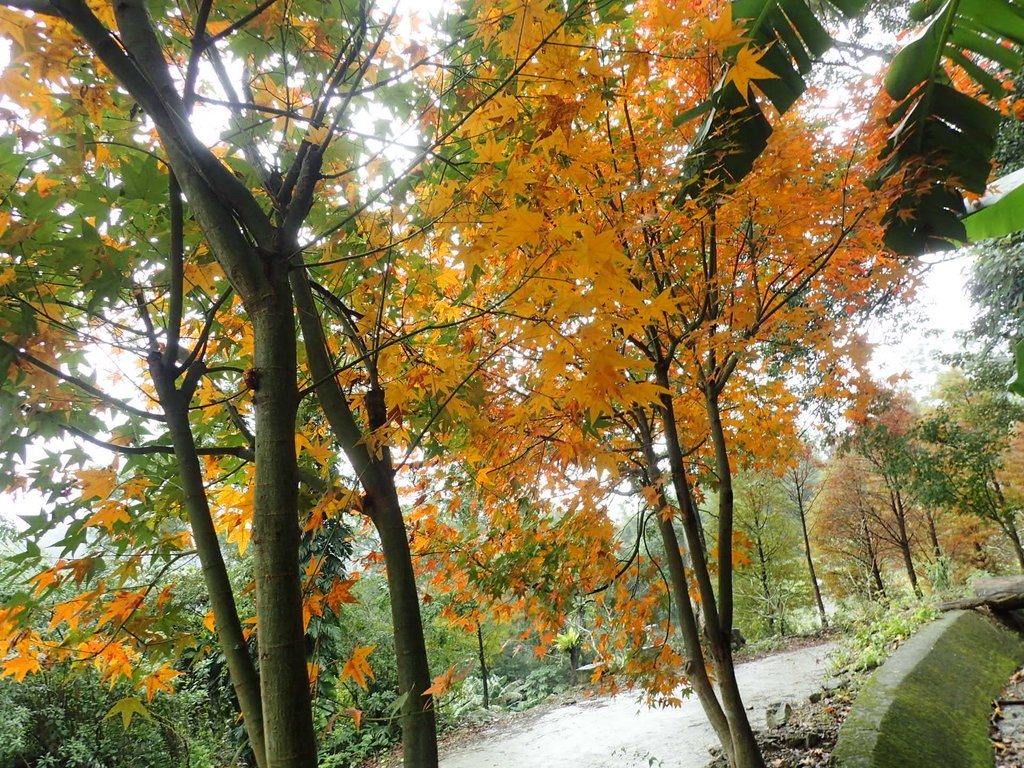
pixel 357 717
pixel 159 681
pixel 339 593
pixel 441 683
pixel 20 666
pixel 746 70
pixel 357 667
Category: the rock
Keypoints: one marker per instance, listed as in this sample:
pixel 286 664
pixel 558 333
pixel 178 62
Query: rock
pixel 793 740
pixel 835 684
pixel 815 697
pixel 737 640
pixel 778 714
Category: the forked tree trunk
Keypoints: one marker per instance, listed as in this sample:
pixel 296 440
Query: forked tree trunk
pixel 737 737
pixel 696 665
pixel 747 753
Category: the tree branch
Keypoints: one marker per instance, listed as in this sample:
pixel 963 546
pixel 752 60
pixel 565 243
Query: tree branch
pixel 80 384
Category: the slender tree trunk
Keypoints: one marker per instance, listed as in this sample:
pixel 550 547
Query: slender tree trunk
pixel 815 587
pixel 1014 536
pixel 933 536
pixel 241 670
pixel 762 577
pixel 483 665
pixel 741 745
pixel 287 710
pixel 381 504
pixel 876 572
pixel 696 666
pixel 747 753
pixel 419 729
pixel 900 513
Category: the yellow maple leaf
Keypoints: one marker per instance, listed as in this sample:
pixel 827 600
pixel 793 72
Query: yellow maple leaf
pixel 108 515
pixel 722 33
pixel 48 578
pixel 127 708
pixel 96 483
pixel 746 69
pixel 317 134
pixel 357 667
pixel 68 612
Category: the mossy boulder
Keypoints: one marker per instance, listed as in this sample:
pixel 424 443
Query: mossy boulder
pixel 929 704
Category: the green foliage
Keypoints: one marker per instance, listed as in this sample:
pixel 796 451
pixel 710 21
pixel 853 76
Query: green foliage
pixel 996 288
pixel 55 719
pixel 771 586
pixel 736 128
pixel 875 630
pixel 965 439
pixel 941 133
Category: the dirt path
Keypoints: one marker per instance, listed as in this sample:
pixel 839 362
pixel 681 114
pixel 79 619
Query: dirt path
pixel 618 732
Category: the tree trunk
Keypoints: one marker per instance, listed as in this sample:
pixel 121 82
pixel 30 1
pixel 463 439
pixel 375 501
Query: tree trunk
pixel 741 745
pixel 287 709
pixel 241 670
pixel 746 752
pixel 483 665
pixel 1014 536
pixel 903 541
pixel 933 536
pixel 762 577
pixel 419 729
pixel 381 504
pixel 815 587
pixel 876 572
pixel 696 666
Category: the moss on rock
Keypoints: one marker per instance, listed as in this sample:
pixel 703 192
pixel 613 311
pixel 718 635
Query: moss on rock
pixel 929 704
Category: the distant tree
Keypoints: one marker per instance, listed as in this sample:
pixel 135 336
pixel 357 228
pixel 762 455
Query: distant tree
pixel 767 586
pixel 968 441
pixel 847 527
pixel 802 482
pixel 882 437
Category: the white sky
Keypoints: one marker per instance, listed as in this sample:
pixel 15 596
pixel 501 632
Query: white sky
pixel 913 344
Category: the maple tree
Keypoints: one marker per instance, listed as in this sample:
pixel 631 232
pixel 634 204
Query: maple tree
pixel 585 277
pixel 646 324
pixel 847 530
pixel 184 256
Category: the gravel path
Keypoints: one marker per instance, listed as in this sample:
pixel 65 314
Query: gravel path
pixel 619 732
